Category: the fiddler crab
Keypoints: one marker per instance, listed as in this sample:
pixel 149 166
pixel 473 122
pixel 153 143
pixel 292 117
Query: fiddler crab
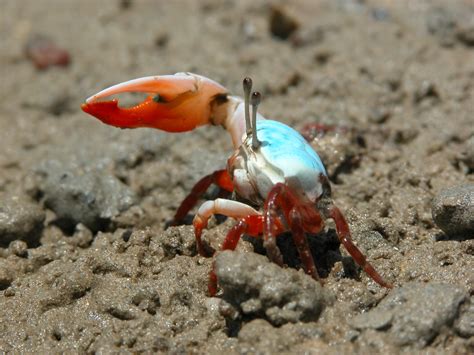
pixel 278 181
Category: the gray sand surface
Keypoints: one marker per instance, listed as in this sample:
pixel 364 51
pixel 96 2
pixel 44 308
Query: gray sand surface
pixel 86 263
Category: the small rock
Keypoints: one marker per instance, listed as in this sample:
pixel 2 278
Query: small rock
pixel 82 236
pixel 465 34
pixel 414 314
pixel 380 14
pixel 59 105
pixel 9 292
pixel 379 115
pixel 176 241
pixel 441 24
pixel 6 276
pixel 18 248
pixel 467 156
pixel 261 289
pixel 125 4
pixel 162 39
pixel 68 282
pixel 43 52
pixel 427 89
pixel 376 319
pixel 282 25
pixel 339 147
pixel 307 36
pixel 261 335
pixel 20 218
pixel 453 210
pixel 465 323
pixel 322 56
pixel 90 198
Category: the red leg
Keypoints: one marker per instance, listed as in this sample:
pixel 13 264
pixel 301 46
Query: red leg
pixel 212 283
pixel 301 217
pixel 270 213
pixel 344 235
pixel 252 225
pixel 302 244
pixel 220 177
pixel 229 208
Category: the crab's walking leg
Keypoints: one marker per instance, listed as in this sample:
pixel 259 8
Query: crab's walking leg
pixel 302 244
pixel 270 212
pixel 252 225
pixel 220 177
pixel 228 208
pixel 300 218
pixel 344 235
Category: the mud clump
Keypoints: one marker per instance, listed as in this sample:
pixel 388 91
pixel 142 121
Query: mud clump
pixel 282 25
pixel 453 210
pixel 44 52
pixel 259 288
pixel 414 314
pixel 450 28
pixel 91 198
pixel 441 24
pixel 260 337
pixel 340 148
pixel 20 218
pixel 465 324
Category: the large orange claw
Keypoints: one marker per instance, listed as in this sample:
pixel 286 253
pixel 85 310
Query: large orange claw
pixel 178 103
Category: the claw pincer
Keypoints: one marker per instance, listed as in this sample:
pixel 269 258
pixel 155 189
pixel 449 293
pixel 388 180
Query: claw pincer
pixel 273 168
pixel 177 103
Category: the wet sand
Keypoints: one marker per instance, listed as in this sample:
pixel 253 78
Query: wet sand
pixel 86 263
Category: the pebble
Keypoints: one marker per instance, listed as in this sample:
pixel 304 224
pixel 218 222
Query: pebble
pixel 441 24
pixel 453 210
pixel 43 52
pixel 20 219
pixel 18 248
pixel 465 324
pixel 282 25
pixel 465 34
pixel 467 156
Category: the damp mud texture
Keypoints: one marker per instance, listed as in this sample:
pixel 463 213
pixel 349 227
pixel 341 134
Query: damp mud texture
pixel 86 261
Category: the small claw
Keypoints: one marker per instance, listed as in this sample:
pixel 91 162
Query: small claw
pixel 179 103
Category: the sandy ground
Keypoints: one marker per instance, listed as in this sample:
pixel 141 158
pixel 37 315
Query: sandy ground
pixel 86 263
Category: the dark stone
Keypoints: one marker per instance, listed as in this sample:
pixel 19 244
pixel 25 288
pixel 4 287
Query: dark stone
pixel 282 25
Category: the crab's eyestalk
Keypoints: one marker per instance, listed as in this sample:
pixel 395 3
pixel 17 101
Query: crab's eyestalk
pixel 255 101
pixel 247 89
